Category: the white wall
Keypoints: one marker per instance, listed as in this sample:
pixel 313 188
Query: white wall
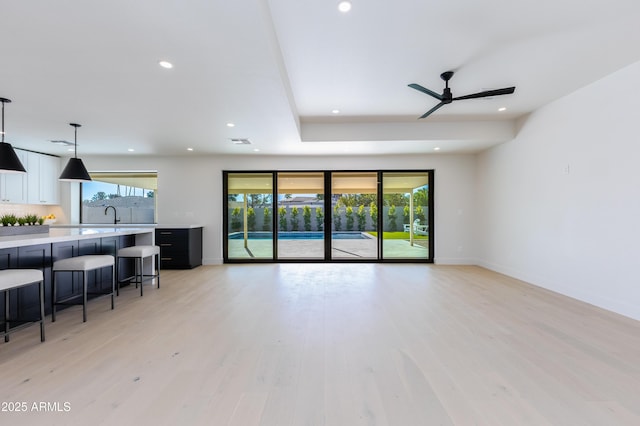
pixel 560 204
pixel 190 191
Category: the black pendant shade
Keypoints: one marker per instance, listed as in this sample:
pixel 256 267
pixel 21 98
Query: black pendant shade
pixel 9 161
pixel 75 171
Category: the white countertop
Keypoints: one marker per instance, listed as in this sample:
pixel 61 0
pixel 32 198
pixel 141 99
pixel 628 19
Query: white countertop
pixel 59 234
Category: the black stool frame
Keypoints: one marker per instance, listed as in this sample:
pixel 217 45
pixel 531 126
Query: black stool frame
pixel 139 276
pixel 22 323
pixel 85 293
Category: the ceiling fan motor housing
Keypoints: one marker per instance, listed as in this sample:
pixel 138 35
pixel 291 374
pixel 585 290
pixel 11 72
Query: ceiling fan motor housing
pixel 447 97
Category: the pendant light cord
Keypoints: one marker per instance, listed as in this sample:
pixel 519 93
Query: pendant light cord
pixel 3 100
pixel 75 138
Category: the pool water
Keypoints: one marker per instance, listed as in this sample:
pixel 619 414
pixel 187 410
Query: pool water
pixel 299 236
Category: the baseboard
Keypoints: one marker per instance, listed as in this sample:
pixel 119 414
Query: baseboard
pixel 454 261
pixel 615 306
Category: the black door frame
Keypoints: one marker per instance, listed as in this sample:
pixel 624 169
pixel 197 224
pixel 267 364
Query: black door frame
pixel 327 228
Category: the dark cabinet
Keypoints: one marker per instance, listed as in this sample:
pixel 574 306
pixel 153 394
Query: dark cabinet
pixel 180 248
pixel 8 258
pixel 69 283
pixel 27 298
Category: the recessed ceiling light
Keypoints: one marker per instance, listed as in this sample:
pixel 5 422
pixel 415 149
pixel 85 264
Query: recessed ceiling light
pixel 165 64
pixel 131 150
pixel 502 109
pixel 344 6
pixel 335 111
pixel 437 148
pixel 189 149
pixel 231 125
pixel 256 150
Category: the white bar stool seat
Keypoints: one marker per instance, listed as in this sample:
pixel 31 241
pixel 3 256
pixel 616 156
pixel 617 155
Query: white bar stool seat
pixel 82 264
pixel 15 278
pixel 139 253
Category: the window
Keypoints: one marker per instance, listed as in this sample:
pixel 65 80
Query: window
pixel 125 197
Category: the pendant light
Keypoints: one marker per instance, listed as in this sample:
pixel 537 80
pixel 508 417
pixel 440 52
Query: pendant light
pixel 75 170
pixel 9 161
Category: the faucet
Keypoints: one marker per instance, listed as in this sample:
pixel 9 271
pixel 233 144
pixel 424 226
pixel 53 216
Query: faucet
pixel 115 215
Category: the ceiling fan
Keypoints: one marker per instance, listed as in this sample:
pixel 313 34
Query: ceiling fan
pixel 447 97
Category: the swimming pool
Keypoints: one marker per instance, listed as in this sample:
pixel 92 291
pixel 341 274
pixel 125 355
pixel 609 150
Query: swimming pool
pixel 305 235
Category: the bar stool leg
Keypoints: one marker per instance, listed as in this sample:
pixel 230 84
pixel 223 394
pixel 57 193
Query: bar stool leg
pixel 117 275
pixel 158 269
pixel 141 275
pixel 54 297
pixel 42 311
pixel 6 315
pixel 113 286
pixel 135 271
pixel 84 296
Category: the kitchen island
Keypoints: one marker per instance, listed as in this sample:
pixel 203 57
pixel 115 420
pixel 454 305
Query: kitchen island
pixel 39 251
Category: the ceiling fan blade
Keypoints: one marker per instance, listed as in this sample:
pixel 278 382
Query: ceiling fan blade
pixel 425 90
pixel 487 93
pixel 432 110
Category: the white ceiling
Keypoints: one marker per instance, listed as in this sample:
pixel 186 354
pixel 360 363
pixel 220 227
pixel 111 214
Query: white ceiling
pixel 277 68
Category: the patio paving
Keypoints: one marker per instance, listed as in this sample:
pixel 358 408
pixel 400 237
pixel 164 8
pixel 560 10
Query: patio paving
pixel 314 249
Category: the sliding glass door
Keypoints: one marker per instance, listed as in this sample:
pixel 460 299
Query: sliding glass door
pixel 249 212
pixel 300 215
pixel 405 215
pixel 327 216
pixel 354 196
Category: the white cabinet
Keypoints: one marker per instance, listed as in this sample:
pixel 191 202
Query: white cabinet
pixel 13 186
pixel 49 183
pixel 43 186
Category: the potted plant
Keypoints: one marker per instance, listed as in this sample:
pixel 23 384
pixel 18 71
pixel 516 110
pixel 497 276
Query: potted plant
pixel 9 220
pixel 27 224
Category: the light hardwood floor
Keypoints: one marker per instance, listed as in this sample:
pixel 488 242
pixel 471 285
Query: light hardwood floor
pixel 319 344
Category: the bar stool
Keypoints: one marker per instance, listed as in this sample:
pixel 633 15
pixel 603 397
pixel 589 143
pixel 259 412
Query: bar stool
pixel 15 278
pixel 83 264
pixel 139 253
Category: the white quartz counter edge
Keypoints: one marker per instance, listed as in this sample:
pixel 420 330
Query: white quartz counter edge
pixel 175 226
pixel 103 225
pixel 125 225
pixel 57 235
